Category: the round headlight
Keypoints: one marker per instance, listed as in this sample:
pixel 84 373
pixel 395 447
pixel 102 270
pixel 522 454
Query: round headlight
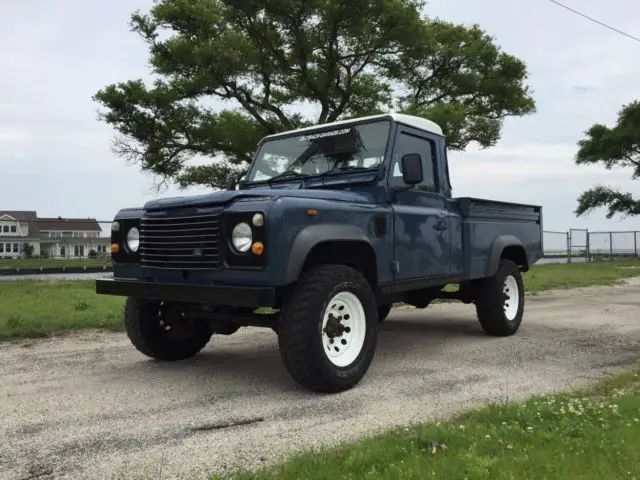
pixel 133 239
pixel 241 237
pixel 115 227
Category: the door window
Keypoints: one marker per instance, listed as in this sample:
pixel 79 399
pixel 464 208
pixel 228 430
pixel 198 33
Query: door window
pixel 407 143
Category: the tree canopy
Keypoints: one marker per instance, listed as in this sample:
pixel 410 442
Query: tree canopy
pixel 613 147
pixel 228 72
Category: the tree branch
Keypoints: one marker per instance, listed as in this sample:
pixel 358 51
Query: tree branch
pixel 616 201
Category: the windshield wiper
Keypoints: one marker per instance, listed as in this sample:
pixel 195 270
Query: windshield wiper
pixel 346 169
pixel 287 174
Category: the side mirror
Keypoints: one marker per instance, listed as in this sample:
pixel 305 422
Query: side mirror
pixel 411 168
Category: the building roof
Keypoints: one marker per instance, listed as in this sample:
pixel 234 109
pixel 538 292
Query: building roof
pixel 69 224
pixel 410 120
pixel 26 216
pixel 21 216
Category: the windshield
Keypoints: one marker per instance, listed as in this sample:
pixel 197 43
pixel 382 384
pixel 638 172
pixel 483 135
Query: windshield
pixel 315 152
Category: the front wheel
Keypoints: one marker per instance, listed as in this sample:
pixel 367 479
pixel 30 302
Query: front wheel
pixel 162 331
pixel 328 329
pixel 500 300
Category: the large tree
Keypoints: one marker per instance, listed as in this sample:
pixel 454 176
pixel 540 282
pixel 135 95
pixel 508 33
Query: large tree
pixel 264 59
pixel 612 147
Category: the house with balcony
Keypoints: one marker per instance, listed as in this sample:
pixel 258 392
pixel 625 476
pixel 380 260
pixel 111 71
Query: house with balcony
pixel 71 238
pixel 23 232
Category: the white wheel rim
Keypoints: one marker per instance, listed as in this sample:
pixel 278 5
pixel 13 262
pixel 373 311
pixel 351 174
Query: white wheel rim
pixel 511 298
pixel 344 326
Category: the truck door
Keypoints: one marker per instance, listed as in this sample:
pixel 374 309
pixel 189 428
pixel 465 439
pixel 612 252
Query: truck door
pixel 421 225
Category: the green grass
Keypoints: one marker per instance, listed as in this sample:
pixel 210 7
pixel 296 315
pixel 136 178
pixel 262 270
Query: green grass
pixel 38 308
pixel 591 434
pixel 552 276
pixel 52 262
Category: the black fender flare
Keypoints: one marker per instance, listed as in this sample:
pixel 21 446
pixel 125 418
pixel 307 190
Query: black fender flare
pixel 313 235
pixel 497 247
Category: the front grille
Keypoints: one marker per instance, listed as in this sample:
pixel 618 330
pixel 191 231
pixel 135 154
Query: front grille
pixel 186 243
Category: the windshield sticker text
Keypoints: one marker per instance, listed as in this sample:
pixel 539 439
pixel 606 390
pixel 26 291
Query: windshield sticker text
pixel 332 133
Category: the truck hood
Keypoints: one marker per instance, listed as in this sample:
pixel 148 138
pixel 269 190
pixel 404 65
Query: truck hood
pixel 227 196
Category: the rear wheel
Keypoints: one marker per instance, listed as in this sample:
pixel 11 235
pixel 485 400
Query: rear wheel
pixel 328 328
pixel 500 300
pixel 162 331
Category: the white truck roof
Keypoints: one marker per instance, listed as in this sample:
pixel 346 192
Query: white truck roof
pixel 409 120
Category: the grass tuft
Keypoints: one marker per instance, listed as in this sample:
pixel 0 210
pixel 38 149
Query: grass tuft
pixel 40 308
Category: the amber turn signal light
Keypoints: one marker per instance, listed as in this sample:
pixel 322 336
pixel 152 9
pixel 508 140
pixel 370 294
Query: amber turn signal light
pixel 115 248
pixel 257 248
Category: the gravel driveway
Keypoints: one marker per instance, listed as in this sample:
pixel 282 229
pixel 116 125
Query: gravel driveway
pixel 89 406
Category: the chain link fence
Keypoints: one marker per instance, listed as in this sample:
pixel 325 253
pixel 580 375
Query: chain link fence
pixel 612 245
pixel 556 244
pixel 581 245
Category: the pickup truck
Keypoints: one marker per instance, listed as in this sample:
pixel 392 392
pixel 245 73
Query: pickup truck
pixel 330 226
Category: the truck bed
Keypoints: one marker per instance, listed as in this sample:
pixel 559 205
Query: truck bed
pixel 486 224
pixel 479 208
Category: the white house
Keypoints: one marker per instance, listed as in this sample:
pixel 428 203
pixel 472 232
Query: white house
pixel 16 229
pixel 50 237
pixel 71 237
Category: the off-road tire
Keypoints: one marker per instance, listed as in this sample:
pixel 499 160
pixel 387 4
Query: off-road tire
pixel 490 301
pixel 383 312
pixel 143 328
pixel 300 325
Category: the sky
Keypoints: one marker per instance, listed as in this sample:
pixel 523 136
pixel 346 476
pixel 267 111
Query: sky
pixel 56 158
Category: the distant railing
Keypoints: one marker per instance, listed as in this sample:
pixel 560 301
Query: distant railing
pixel 583 245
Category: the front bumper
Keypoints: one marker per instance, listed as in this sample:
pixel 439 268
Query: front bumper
pixel 231 295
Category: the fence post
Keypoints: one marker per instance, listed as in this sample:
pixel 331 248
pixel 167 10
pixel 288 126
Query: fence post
pixel 611 246
pixel 588 247
pixel 569 246
pixel 635 244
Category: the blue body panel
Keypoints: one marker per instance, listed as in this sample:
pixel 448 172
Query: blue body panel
pixel 414 235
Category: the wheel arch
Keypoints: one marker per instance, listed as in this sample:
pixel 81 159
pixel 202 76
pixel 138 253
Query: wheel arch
pixel 332 244
pixel 507 247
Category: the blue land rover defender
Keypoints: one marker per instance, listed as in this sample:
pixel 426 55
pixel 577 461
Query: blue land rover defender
pixel 330 226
